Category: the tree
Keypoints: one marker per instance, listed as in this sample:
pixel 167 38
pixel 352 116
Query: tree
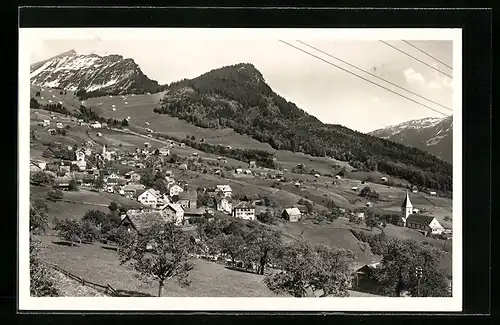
pixel 55 195
pixel 371 221
pixel 76 231
pixel 99 182
pixel 266 217
pixel 333 274
pixel 232 245
pixel 96 217
pixel 72 185
pixel 42 282
pixel 41 177
pixel 263 243
pixel 160 253
pixel 38 217
pixel 400 261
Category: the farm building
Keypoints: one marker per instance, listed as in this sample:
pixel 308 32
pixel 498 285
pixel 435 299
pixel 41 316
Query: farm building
pixel 164 151
pixel 132 176
pixel 291 214
pixel 59 125
pixel 297 184
pixel 132 191
pixel 316 175
pixel 141 221
pixel 338 177
pixel 99 134
pixel 354 188
pixel 96 125
pixel 188 199
pixel 383 179
pixel 253 164
pixel 244 210
pixel 193 213
pixel 48 153
pixel 425 224
pixel 433 193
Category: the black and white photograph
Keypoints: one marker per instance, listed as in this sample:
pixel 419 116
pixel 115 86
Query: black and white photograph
pixel 270 169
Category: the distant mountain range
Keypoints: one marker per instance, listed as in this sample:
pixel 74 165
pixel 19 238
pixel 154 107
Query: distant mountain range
pixel 434 135
pixel 93 74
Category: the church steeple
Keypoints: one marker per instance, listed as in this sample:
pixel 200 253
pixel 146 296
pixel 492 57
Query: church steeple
pixel 406 208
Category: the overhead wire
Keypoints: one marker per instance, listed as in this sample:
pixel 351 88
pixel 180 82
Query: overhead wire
pixel 434 58
pixel 417 59
pixel 374 75
pixel 361 77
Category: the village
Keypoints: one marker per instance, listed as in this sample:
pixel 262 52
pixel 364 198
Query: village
pixel 163 187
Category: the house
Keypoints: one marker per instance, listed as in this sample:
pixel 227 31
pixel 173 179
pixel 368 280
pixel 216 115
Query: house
pixel 297 184
pixel 317 175
pixel 164 151
pixel 110 188
pixel 131 191
pixel 174 190
pixel 141 221
pixel 169 173
pixel 62 182
pixel 81 164
pixel 151 198
pixel 65 168
pixel 383 179
pixel 224 190
pixel 363 281
pixel 433 193
pixel 354 188
pixel 291 214
pixel 48 153
pixel 104 125
pixel 188 199
pixel 132 177
pixel 338 177
pixel 183 166
pixel 248 171
pixel 173 211
pixel 59 125
pixel 239 171
pixel 223 204
pixel 253 164
pixel 112 179
pixel 244 210
pixel 425 224
pixel 193 213
pixel 95 125
pixel 80 155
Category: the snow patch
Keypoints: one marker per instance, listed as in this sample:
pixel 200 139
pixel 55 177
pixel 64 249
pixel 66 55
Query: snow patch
pixel 39 70
pixel 433 141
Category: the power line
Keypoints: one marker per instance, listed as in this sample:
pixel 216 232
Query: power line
pixel 417 59
pixel 427 54
pixel 365 79
pixel 374 75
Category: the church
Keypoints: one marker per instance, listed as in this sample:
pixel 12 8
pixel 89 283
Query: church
pixel 410 218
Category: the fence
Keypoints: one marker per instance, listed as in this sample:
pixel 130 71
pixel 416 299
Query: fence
pixel 107 289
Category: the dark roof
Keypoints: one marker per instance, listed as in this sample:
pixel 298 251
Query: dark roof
pixel 244 205
pixel 143 220
pixel 194 212
pixel 419 219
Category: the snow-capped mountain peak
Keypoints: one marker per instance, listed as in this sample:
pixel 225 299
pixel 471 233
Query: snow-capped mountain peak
pixel 430 134
pixel 91 72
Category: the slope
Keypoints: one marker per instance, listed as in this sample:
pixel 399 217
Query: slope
pixel 238 97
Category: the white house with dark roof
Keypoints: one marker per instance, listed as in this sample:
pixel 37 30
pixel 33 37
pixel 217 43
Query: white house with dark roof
pixel 173 211
pixel 151 198
pixel 175 189
pixel 244 210
pixel 425 224
pixel 291 214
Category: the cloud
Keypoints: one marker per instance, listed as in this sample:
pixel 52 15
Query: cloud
pixel 412 76
pixel 438 81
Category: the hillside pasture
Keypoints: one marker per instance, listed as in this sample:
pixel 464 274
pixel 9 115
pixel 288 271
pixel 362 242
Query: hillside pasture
pixel 69 100
pixel 95 263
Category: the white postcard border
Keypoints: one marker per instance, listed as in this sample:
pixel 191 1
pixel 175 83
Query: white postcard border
pixel 29 36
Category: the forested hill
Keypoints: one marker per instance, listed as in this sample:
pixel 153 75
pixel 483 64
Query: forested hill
pixel 238 97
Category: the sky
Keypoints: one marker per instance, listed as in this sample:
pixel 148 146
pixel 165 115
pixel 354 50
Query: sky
pixel 327 92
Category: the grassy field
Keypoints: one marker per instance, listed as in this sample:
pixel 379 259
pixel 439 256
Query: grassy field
pixel 100 265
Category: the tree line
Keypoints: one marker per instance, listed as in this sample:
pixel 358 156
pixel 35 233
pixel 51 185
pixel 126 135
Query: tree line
pixel 231 98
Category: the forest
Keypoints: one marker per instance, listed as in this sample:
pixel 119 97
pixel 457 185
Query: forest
pixel 237 97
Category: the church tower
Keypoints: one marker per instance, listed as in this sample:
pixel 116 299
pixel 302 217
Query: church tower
pixel 104 149
pixel 406 208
